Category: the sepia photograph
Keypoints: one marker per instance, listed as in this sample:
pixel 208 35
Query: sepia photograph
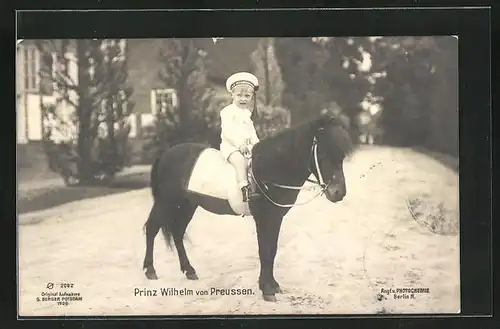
pixel 238 176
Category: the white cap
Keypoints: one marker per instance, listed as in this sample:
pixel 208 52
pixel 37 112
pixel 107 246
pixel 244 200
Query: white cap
pixel 242 78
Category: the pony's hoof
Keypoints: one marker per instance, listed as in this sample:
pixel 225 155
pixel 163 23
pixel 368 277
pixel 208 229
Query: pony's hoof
pixel 278 290
pixel 270 298
pixel 191 276
pixel 151 275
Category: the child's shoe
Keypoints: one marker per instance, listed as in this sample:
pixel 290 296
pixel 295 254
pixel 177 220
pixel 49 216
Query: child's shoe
pixel 248 194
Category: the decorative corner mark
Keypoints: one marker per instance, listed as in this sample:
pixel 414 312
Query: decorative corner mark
pixel 216 39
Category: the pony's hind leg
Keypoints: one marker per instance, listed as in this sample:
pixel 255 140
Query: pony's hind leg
pixel 183 213
pixel 152 226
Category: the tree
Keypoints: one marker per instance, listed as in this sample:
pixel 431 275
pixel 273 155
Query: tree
pixel 268 72
pixel 421 100
pixel 191 117
pixel 321 71
pixel 272 117
pixel 299 62
pixel 413 80
pixel 88 81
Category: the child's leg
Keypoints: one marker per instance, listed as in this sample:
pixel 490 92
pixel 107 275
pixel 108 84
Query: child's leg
pixel 240 163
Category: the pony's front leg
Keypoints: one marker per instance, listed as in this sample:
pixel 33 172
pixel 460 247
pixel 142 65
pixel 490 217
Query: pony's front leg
pixel 267 235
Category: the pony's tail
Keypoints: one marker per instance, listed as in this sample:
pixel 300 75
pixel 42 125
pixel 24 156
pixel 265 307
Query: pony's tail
pixel 154 178
pixel 167 233
pixel 154 183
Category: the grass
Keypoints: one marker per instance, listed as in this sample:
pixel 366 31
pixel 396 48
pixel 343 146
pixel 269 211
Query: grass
pixel 44 198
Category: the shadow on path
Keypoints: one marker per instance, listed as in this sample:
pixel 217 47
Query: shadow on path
pixel 52 196
pixel 448 161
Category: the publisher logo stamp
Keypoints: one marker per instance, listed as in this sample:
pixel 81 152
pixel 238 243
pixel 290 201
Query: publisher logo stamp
pixel 59 294
pixel 401 293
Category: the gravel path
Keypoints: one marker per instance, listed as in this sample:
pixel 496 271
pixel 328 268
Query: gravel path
pixel 332 258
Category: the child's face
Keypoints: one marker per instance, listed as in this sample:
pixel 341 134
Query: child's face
pixel 242 95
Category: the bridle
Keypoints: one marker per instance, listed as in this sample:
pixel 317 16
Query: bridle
pixel 313 159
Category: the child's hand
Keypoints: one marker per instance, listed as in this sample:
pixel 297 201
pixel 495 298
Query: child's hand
pixel 244 149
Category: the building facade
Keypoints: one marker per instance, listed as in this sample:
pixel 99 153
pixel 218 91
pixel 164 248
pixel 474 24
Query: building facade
pixel 149 92
pixel 29 118
pixel 30 97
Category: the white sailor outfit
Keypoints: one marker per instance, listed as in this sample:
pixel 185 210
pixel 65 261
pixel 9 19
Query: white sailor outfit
pixel 236 124
pixel 237 129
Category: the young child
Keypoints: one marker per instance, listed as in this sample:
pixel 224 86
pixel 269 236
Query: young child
pixel 238 135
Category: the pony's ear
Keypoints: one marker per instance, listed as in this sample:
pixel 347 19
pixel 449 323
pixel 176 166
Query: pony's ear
pixel 331 119
pixel 324 120
pixel 328 117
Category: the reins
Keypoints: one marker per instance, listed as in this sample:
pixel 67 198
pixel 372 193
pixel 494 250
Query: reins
pixel 320 181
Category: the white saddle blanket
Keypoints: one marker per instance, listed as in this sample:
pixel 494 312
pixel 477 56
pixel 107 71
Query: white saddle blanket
pixel 213 176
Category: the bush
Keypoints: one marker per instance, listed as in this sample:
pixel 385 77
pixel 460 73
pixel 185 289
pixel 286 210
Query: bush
pixel 271 119
pixel 162 135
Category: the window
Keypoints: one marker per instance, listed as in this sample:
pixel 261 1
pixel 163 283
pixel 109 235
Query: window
pixel 163 100
pixel 29 66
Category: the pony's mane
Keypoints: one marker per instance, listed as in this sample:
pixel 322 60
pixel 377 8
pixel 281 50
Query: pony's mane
pixel 343 145
pixel 288 137
pixel 293 137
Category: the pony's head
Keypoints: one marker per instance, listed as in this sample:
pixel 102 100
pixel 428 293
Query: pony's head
pixel 333 145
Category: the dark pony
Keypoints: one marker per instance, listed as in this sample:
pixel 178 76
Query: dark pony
pixel 281 164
